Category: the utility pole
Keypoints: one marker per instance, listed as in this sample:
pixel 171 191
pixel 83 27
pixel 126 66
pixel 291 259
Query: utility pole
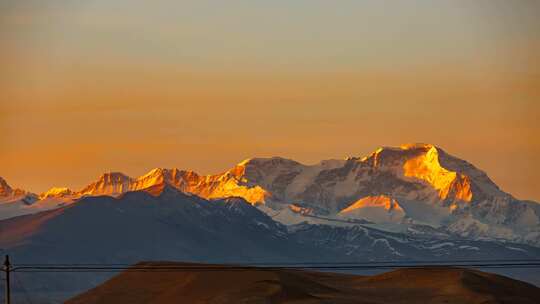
pixel 7 269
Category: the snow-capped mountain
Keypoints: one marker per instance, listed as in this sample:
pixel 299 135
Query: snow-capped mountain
pixel 160 222
pixel 56 192
pixel 427 184
pixel 431 187
pixel 163 223
pixel 16 201
pixel 401 188
pixel 8 194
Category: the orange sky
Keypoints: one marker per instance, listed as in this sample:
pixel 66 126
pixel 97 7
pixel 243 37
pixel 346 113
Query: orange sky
pixel 91 88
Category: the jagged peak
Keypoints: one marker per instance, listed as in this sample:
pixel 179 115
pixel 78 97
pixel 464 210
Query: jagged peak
pixel 422 162
pixel 260 163
pixel 7 191
pixel 156 172
pixel 4 184
pixel 264 160
pixel 420 147
pixel 166 171
pixel 244 162
pixel 173 176
pixel 108 183
pixel 5 188
pixel 56 192
pixel 114 175
pixel 287 162
pixel 154 177
pixel 404 151
pixel 412 162
pixel 414 146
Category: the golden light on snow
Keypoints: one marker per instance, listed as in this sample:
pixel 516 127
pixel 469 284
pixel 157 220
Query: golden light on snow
pixel 426 167
pixel 378 208
pixel 382 201
pixel 56 192
pixel 417 161
pixel 227 184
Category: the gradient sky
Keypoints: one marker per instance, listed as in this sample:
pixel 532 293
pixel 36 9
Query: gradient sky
pixel 93 86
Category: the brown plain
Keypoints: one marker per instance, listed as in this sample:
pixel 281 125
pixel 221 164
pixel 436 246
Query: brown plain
pixel 255 285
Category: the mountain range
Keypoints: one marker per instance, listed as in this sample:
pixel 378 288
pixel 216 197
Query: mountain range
pixel 409 189
pixel 162 223
pixel 410 203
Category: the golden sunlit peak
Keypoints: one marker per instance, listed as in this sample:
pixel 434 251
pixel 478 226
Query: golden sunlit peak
pixel 4 184
pixel 158 171
pixel 427 167
pixel 245 162
pixel 403 147
pixel 164 172
pixel 412 146
pixel 266 159
pixel 421 161
pixel 6 190
pixel 382 201
pixel 56 192
pixel 374 154
pixel 152 174
pixel 114 175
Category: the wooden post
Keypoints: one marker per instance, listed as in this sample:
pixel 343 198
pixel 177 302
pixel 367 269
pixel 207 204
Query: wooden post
pixel 7 269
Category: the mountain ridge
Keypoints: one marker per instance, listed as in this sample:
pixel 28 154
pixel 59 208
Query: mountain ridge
pixel 122 182
pixel 430 186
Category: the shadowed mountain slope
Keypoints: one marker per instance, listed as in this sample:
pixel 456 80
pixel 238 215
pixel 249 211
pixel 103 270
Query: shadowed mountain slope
pixel 160 222
pixel 165 224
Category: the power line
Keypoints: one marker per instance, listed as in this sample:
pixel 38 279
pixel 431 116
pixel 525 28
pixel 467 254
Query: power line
pixel 162 267
pixel 262 264
pixel 183 268
pixel 243 266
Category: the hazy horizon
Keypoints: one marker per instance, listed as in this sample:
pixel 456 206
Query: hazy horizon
pixel 126 86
